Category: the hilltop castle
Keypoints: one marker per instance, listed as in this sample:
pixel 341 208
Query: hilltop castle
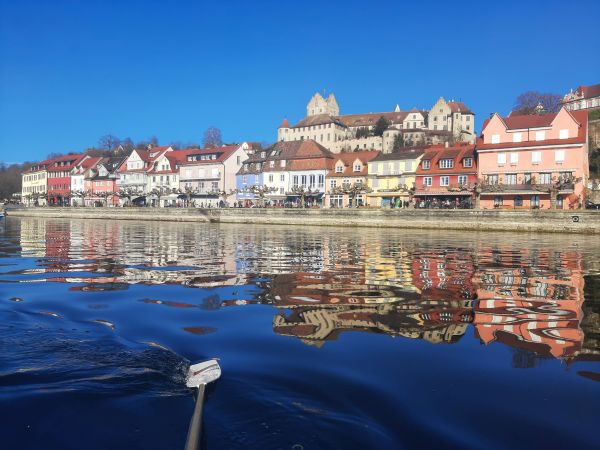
pixel 444 122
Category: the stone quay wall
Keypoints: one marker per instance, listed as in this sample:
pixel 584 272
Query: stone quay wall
pixel 576 221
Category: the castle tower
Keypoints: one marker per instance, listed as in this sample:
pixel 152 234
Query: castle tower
pixel 318 105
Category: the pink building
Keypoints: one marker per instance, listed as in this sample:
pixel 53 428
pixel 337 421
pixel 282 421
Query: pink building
pixel 534 161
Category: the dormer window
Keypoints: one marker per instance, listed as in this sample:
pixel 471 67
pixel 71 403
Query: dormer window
pixel 263 154
pixel 357 167
pixel 282 163
pixel 468 162
pixel 446 163
pixel 426 164
pixel 339 168
pixel 271 164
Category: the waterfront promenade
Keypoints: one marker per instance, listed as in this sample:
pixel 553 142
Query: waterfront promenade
pixel 575 221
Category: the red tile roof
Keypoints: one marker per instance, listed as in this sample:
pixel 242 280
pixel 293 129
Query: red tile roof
pixel 457 153
pixel 284 124
pixel 72 160
pixel 222 153
pixel 294 151
pixel 348 160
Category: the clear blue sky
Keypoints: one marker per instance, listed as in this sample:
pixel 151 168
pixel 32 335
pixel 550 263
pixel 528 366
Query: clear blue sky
pixel 72 71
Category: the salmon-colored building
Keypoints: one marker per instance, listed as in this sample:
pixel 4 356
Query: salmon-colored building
pixel 534 161
pixel 446 176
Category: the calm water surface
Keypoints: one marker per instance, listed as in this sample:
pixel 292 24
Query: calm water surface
pixel 328 338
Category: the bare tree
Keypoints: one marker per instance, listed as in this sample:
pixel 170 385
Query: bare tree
pixel 533 102
pixel 108 142
pixel 212 137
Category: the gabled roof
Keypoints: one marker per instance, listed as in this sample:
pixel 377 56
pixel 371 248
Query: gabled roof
pixel 72 160
pixel 39 166
pixel 319 119
pixel 589 91
pixel 284 124
pixel 459 107
pixel 457 153
pixel 348 159
pixel 299 155
pixel 222 154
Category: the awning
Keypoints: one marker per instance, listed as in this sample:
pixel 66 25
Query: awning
pixel 447 193
pixel 494 194
pixel 388 194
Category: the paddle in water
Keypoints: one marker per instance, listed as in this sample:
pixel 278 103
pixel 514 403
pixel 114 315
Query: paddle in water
pixel 199 375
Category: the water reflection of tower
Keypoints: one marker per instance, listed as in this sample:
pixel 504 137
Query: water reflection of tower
pixel 530 299
pixel 33 237
pixel 389 264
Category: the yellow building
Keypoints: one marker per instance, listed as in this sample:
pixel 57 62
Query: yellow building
pixel 392 177
pixel 34 182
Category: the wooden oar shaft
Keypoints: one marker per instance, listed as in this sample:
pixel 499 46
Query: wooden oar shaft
pixel 195 430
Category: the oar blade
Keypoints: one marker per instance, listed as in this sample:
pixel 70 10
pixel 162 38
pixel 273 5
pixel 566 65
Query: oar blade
pixel 203 373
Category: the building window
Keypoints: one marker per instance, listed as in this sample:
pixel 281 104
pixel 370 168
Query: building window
pixel 564 134
pixel 514 159
pixel 295 181
pixel 427 181
pixel 339 168
pixel 535 201
pixel 311 180
pixel 492 179
pixel 527 178
pixel 468 162
pixel 559 156
pixel 271 164
pixel 321 181
pixel 462 179
pixel 446 163
pixel 332 184
pixel 540 135
pixel 495 138
pixel 501 159
pixel 497 201
pixel 545 178
pixel 270 178
pixel 510 178
pixel 518 200
pixel 357 167
pixel 303 178
pixel 282 177
pixel 517 137
pixel 426 164
pixel 444 180
pixel 282 163
pixel 536 157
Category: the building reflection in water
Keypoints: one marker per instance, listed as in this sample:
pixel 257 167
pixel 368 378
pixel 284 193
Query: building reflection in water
pixel 530 298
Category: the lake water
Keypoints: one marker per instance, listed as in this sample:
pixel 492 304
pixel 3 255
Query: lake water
pixel 327 338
